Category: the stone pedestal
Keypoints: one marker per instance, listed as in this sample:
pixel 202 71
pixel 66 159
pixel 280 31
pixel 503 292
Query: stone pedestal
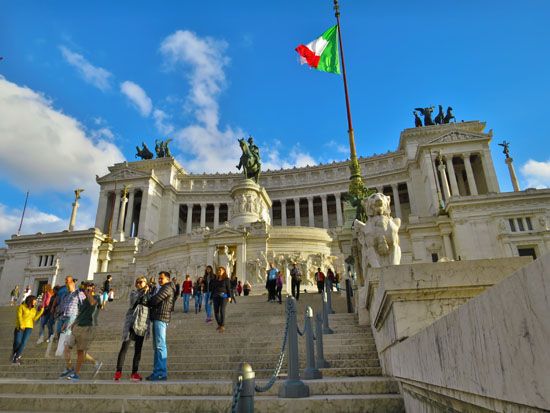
pixel 250 204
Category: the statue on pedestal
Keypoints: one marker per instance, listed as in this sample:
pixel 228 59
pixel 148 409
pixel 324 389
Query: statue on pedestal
pixel 427 113
pixel 250 159
pixel 378 236
pixel 143 152
pixel 225 259
pixel 506 150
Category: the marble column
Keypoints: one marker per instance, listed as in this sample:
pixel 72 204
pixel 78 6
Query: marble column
pixel 101 210
pixel 189 223
pixel 121 217
pixel 297 219
pixel 129 215
pixel 339 216
pixel 470 174
pixel 396 202
pixel 203 215
pixel 310 211
pixel 325 211
pixel 175 218
pixel 452 176
pixel 513 177
pixel 283 212
pixel 443 174
pixel 116 210
pixel 143 212
pixel 72 222
pixel 216 215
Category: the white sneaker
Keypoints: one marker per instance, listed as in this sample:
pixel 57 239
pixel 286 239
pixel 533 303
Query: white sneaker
pixel 98 365
pixel 40 340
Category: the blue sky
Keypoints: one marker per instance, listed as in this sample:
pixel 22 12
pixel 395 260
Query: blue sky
pixel 83 83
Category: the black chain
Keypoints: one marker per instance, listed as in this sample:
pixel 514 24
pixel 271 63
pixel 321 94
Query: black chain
pixel 236 394
pixel 273 379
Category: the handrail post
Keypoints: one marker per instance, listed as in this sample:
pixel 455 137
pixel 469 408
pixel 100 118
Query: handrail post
pixel 293 387
pixel 326 328
pixel 328 289
pixel 246 399
pixel 320 361
pixel 310 372
pixel 349 293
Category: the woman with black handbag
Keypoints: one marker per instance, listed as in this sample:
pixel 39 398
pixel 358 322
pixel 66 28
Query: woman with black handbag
pixel 221 293
pixel 136 327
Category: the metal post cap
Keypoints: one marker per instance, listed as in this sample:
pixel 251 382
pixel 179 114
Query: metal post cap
pixel 247 372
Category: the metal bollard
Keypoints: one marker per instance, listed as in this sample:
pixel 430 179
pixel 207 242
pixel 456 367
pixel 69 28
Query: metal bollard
pixel 328 289
pixel 320 361
pixel 293 387
pixel 349 293
pixel 326 328
pixel 246 399
pixel 310 372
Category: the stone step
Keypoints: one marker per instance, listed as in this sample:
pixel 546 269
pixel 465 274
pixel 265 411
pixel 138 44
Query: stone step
pixel 328 386
pixel 376 403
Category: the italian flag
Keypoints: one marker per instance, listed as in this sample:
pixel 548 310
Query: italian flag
pixel 322 53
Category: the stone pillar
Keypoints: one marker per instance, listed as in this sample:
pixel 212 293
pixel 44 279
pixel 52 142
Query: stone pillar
pixel 297 218
pixel 72 223
pixel 116 210
pixel 470 174
pixel 443 174
pixel 230 211
pixel 325 211
pixel 203 216
pixel 283 212
pixel 310 211
pixel 143 212
pixel 339 218
pixel 121 217
pixel 129 215
pixel 189 223
pixel 513 177
pixel 175 218
pixel 101 210
pixel 448 245
pixel 452 176
pixel 396 202
pixel 216 215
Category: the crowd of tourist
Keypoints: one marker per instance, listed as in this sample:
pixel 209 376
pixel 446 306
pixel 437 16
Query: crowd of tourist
pixel 69 314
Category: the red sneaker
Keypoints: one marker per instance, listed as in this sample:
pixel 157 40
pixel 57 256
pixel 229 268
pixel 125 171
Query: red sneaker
pixel 136 377
pixel 118 375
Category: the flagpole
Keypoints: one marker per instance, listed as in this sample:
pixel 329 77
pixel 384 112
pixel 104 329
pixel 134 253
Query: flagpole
pixel 23 214
pixel 356 186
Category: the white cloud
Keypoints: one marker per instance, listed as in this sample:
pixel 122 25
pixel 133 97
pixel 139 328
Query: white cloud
pixel 210 148
pixel 536 173
pixel 102 133
pixel 35 221
pixel 161 123
pixel 343 149
pixel 273 160
pixel 96 76
pixel 137 97
pixel 42 149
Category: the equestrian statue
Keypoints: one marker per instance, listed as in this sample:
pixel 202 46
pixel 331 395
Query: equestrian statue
pixel 143 152
pixel 250 161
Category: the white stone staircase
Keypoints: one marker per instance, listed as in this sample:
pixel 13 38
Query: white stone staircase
pixel 202 365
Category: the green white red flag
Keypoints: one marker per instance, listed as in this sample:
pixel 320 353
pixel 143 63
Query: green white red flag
pixel 322 53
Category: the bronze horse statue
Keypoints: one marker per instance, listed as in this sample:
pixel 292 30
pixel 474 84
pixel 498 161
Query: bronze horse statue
pixel 249 163
pixel 144 152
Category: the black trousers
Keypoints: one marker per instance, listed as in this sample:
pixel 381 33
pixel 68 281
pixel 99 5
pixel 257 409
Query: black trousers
pixel 295 287
pixel 271 289
pixel 137 354
pixel 219 309
pixel 278 293
pixel 320 286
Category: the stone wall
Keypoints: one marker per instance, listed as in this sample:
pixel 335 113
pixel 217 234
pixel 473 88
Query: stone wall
pixel 490 354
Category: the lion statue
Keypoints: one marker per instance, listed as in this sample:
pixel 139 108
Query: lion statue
pixel 378 237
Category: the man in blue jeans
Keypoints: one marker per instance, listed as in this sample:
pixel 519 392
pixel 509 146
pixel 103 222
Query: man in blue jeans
pixel 208 285
pixel 161 305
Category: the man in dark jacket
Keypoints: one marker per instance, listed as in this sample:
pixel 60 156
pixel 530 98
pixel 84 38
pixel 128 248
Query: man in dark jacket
pixel 161 305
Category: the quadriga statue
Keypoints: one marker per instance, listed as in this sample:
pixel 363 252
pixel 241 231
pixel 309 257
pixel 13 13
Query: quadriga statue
pixel 378 237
